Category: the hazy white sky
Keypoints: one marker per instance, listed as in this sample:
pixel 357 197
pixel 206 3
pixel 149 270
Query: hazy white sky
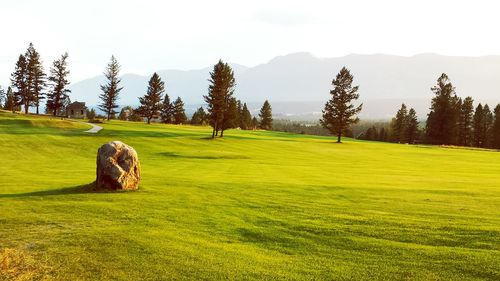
pixel 149 35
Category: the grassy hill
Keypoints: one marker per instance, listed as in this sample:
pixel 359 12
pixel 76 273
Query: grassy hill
pixel 254 205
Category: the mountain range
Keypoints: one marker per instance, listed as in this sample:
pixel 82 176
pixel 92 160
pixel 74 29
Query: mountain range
pixel 297 85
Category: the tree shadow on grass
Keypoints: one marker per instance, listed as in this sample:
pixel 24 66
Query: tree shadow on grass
pixel 79 189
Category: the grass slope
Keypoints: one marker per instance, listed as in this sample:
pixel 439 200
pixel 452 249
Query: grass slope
pixel 254 205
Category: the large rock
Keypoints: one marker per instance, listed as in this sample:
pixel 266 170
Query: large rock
pixel 118 167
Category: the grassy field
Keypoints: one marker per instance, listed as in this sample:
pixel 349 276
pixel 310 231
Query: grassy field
pixel 254 205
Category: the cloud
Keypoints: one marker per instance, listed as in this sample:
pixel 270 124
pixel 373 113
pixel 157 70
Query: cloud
pixel 276 17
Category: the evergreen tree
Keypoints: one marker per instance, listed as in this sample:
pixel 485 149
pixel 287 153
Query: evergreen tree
pixel 167 110
pixel 255 123
pixel 220 91
pixel 231 114
pixel 151 104
pixel 35 76
pixel 486 126
pixel 382 135
pixel 339 111
pixel 399 125
pixel 478 121
pixel 411 126
pixel 495 129
pixel 59 83
pixel 266 116
pixel 442 119
pixel 465 122
pixel 134 116
pixel 111 89
pixel 245 118
pixel 19 81
pixel 179 115
pixel 199 117
pixel 11 103
pixel 91 114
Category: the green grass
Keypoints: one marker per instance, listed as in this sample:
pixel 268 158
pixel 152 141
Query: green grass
pixel 254 205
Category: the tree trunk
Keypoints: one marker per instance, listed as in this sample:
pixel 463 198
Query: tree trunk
pixel 54 112
pixel 222 133
pixel 339 136
pixel 37 109
pixel 26 108
pixel 149 120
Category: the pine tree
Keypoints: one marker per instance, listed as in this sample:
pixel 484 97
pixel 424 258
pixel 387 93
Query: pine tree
pixel 411 126
pixel 399 125
pixel 179 115
pixel 442 119
pixel 255 123
pixel 478 126
pixel 20 83
pixel 199 117
pixel 58 85
pixel 246 118
pixel 35 76
pixel 266 116
pixel 151 104
pixel 11 103
pixel 220 91
pixel 125 113
pixel 339 112
pixel 231 114
pixel 465 122
pixel 111 89
pixel 167 110
pixel 495 129
pixel 382 135
pixel 486 126
pixel 91 114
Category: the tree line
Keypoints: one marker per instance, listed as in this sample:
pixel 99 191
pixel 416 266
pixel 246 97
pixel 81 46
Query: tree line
pixel 452 120
pixel 30 85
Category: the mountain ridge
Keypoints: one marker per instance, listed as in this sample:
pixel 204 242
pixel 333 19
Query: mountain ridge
pixel 303 77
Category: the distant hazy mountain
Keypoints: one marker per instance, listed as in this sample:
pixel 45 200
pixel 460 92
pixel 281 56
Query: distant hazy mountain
pixel 298 84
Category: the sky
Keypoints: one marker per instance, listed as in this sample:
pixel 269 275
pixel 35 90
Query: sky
pixel 149 35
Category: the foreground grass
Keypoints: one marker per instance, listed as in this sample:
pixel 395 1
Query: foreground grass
pixel 254 205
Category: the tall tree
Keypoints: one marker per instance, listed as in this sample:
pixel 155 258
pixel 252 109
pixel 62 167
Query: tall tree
pixel 411 126
pixel 179 115
pixel 495 129
pixel 442 119
pixel 231 116
pixel 11 103
pixel 199 117
pixel 219 95
pixel 486 126
pixel 339 112
pixel 167 110
pixel 266 116
pixel 399 124
pixel 35 76
pixel 478 122
pixel 111 89
pixel 465 122
pixel 151 104
pixel 20 83
pixel 59 83
pixel 245 118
